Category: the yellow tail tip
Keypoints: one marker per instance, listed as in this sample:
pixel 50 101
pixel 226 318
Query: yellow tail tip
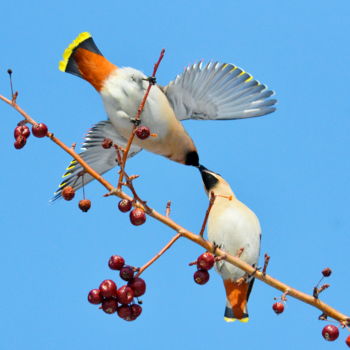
pixel 243 320
pixel 69 50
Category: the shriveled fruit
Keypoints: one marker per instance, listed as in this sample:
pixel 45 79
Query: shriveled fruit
pixel 330 332
pixel 108 289
pixel 201 276
pixel 39 130
pixel 137 217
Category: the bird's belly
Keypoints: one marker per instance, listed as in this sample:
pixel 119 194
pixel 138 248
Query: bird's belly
pixel 231 234
pixel 121 107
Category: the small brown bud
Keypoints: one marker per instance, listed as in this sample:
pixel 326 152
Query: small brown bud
pixel 68 193
pixel 107 143
pixel 323 287
pixel 326 272
pixel 9 71
pixel 85 205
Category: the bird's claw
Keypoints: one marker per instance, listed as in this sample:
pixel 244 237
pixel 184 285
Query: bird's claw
pixel 135 121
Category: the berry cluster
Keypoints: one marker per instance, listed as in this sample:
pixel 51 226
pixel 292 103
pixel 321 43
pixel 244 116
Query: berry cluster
pixel 120 300
pixel 204 263
pixel 137 215
pixel 22 132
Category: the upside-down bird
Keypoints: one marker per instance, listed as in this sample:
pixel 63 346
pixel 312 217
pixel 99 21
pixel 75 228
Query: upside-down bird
pixel 235 229
pixel 202 91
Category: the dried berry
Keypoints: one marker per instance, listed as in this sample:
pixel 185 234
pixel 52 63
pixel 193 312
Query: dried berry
pixel 39 130
pixel 278 307
pixel 116 262
pixel 330 332
pixel 68 193
pixel 347 341
pixel 95 296
pixel 20 142
pixel 126 273
pixel 205 261
pixel 108 289
pixel 107 143
pixel 142 132
pixel 137 217
pixel 22 130
pixel 85 205
pixel 138 285
pixel 110 305
pixel 135 310
pixel 125 295
pixel 326 272
pixel 201 276
pixel 125 313
pixel 124 205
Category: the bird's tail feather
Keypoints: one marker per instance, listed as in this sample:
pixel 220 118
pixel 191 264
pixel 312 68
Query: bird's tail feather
pixel 100 159
pixel 237 297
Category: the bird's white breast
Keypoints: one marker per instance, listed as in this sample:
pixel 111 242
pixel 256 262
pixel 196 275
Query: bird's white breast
pixel 233 226
pixel 122 93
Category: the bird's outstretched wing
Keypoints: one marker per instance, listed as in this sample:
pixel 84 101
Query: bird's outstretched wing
pixel 218 91
pixel 99 158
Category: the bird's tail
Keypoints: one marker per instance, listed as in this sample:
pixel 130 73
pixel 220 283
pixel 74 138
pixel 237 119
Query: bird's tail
pixel 237 297
pixel 99 158
pixel 83 59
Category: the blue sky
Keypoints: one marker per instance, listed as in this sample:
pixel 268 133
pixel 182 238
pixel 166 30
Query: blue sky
pixel 291 168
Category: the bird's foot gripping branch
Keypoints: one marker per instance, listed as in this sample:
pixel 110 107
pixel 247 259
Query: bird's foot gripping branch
pixel 125 300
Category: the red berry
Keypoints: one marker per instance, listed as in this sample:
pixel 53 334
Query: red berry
pixel 20 142
pixel 326 272
pixel 330 332
pixel 347 341
pixel 201 276
pixel 135 310
pixel 205 261
pixel 107 143
pixel 108 289
pixel 68 193
pixel 278 307
pixel 39 130
pixel 110 305
pixel 125 295
pixel 124 205
pixel 126 273
pixel 85 205
pixel 22 130
pixel 138 285
pixel 137 217
pixel 125 313
pixel 116 262
pixel 142 132
pixel 95 297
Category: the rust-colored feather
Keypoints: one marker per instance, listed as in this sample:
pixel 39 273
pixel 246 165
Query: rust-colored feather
pixel 237 295
pixel 93 67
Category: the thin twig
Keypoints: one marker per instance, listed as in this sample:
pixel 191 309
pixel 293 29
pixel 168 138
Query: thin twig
pixel 211 203
pixel 158 255
pixel 266 262
pixel 168 208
